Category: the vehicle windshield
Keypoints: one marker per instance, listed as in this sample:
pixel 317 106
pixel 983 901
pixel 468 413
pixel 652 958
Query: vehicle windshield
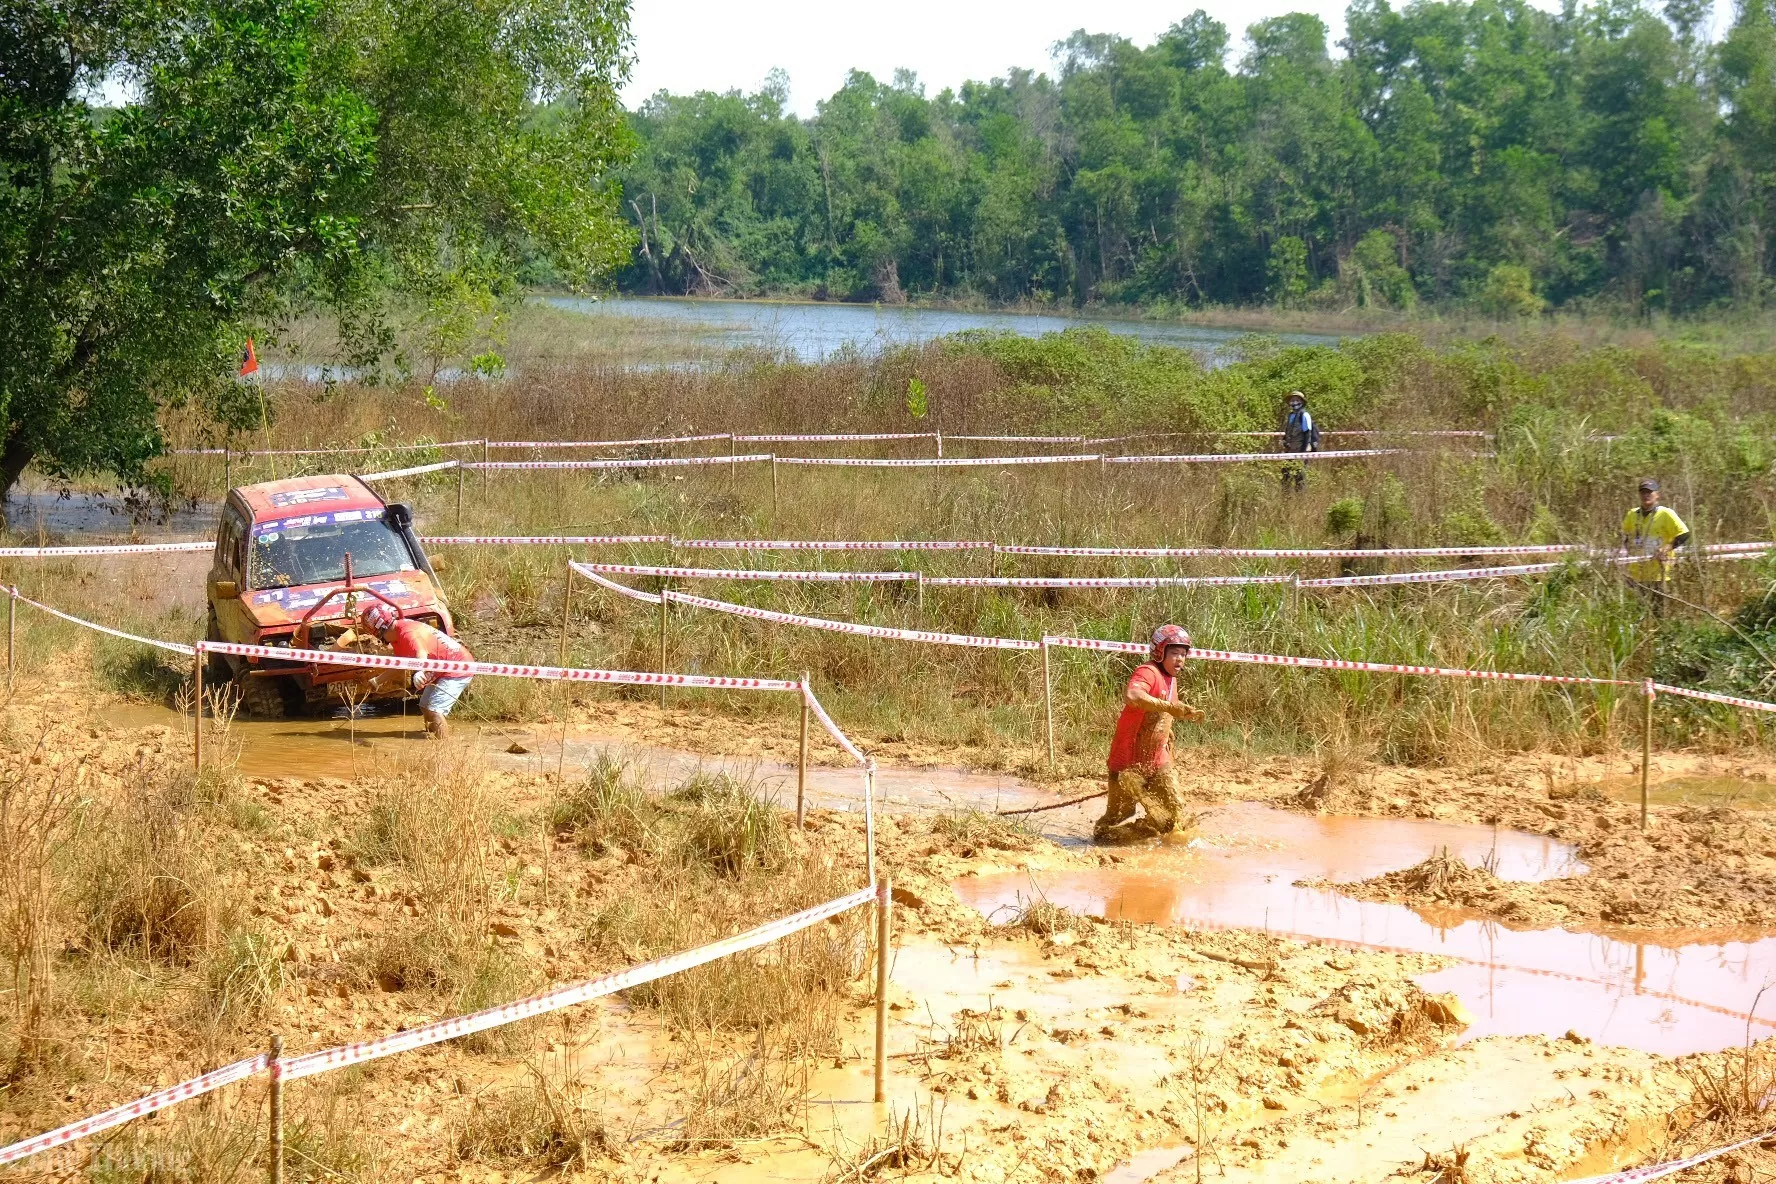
pixel 315 554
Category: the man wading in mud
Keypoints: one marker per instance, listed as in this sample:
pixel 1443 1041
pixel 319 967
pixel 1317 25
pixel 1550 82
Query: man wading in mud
pixel 1141 752
pixel 438 693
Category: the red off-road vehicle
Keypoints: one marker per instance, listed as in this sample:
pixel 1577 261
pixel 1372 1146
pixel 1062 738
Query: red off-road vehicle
pixel 295 560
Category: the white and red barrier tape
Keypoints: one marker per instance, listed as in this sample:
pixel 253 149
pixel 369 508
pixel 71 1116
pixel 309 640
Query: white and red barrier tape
pixel 1658 1171
pixel 833 545
pixel 1033 439
pixel 1212 458
pixel 454 669
pixel 1713 697
pixel 118 1115
pixel 415 471
pixel 932 462
pixel 321 451
pixel 1438 577
pixel 651 462
pixel 295 1068
pixel 104 549
pixel 612 585
pixel 545 540
pixel 171 646
pixel 713 573
pixel 1287 552
pixel 1100 581
pixel 1207 655
pixel 309 1064
pixel 608 443
pixel 838 438
pixel 1012 643
pixel 883 631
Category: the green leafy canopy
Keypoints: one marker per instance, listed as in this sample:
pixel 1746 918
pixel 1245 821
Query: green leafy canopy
pixel 275 156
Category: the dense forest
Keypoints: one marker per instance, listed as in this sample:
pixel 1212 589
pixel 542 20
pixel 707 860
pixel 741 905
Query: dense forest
pixel 1486 154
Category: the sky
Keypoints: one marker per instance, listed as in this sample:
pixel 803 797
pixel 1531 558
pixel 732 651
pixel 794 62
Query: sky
pixel 689 45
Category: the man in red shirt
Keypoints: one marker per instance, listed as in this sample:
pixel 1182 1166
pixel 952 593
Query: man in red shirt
pixel 438 693
pixel 1141 752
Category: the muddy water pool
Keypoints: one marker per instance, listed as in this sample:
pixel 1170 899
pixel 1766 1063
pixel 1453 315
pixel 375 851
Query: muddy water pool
pixel 1662 991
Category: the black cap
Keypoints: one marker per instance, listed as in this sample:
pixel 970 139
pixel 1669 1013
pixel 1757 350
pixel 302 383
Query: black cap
pixel 1650 485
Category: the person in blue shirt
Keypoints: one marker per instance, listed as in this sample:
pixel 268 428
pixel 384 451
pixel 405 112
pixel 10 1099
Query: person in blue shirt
pixel 1300 434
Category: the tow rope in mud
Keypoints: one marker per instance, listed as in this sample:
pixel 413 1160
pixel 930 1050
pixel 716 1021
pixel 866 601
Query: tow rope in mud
pixel 1054 805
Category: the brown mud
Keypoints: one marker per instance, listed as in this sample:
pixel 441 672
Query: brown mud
pixel 1025 1044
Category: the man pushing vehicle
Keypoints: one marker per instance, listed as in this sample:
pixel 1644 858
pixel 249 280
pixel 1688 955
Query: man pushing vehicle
pixel 438 693
pixel 1141 751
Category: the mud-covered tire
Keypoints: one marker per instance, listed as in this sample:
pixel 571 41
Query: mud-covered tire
pixel 216 668
pixel 263 698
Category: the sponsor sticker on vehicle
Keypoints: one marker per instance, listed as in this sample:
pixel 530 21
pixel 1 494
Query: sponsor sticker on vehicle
pixel 304 497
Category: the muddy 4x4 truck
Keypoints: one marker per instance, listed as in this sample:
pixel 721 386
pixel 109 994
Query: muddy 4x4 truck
pixel 295 562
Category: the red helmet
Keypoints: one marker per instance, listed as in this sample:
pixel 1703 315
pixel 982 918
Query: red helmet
pixel 1167 636
pixel 378 617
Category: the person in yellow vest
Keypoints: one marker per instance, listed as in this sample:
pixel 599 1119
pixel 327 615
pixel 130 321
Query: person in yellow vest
pixel 1650 534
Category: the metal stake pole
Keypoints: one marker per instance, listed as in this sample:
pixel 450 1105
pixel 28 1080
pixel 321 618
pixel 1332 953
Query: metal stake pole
pixel 225 468
pixel 274 1156
pixel 1048 704
pixel 940 445
pixel 12 603
pixel 1646 746
pixel 802 760
pixel 773 485
pixel 884 903
pixel 459 493
pixel 733 465
pixel 921 595
pixel 197 665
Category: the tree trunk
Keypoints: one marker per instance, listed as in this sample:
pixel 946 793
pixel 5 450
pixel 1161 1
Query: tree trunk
pixel 13 459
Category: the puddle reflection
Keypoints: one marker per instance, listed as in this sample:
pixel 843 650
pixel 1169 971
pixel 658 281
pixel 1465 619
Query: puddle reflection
pixel 1672 994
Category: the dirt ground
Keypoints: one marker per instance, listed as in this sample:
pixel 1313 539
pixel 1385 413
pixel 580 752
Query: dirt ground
pixel 1047 1047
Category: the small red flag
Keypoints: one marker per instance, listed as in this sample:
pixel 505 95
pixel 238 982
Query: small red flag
pixel 249 360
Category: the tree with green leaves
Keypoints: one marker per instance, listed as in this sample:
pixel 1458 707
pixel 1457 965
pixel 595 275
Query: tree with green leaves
pixel 271 157
pixel 1486 154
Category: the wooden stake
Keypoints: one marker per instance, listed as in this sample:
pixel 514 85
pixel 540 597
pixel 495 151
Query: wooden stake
pixel 1646 746
pixel 567 593
pixel 802 761
pixel 884 903
pixel 663 604
pixel 1048 704
pixel 197 665
pixel 12 603
pixel 274 1155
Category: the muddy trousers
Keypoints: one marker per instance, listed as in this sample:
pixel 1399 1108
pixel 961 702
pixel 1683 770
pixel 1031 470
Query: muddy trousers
pixel 1653 592
pixel 1153 790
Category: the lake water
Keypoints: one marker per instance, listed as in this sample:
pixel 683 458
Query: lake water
pixel 813 332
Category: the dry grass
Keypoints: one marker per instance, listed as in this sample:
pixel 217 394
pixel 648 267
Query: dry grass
pixel 37 812
pixel 146 877
pixel 1038 915
pixel 551 1119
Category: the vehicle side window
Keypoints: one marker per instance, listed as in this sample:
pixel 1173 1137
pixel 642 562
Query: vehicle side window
pixel 230 541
